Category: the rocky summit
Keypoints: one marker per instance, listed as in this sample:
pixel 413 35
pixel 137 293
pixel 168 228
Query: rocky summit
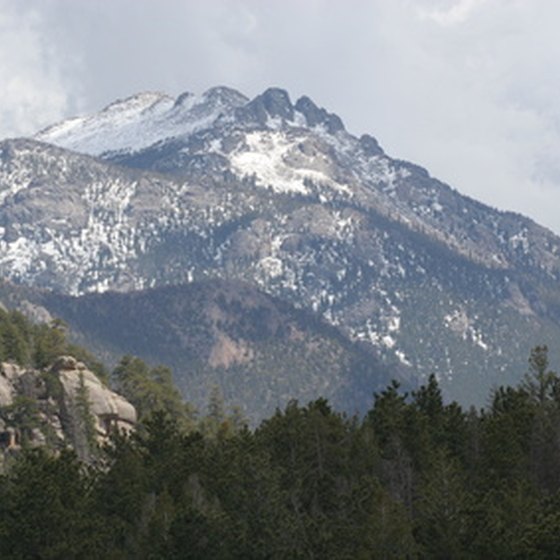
pixel 154 191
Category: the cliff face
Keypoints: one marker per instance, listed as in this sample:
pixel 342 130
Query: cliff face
pixel 65 405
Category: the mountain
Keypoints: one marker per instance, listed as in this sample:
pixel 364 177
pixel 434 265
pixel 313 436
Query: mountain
pixel 154 191
pixel 262 352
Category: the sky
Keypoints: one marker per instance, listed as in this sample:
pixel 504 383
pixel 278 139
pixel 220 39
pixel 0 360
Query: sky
pixel 468 89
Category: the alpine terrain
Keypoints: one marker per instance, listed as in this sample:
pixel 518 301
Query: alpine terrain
pixel 243 216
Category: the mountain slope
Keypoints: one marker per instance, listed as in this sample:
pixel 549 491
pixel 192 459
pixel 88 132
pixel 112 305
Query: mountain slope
pixel 280 195
pixel 261 351
pixel 303 150
pixel 141 120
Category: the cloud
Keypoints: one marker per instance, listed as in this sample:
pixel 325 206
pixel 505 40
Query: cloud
pixel 33 88
pixel 475 103
pixel 466 88
pixel 458 13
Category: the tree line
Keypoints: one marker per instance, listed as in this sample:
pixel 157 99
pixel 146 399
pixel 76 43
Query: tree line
pixel 414 478
pixel 38 345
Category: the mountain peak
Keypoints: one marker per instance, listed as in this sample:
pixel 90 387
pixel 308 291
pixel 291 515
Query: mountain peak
pixel 318 116
pixel 135 123
pixel 137 102
pixel 273 103
pixel 282 196
pixel 185 100
pixel 226 95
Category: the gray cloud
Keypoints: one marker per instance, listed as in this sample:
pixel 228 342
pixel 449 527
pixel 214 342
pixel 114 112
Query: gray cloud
pixel 466 88
pixel 33 89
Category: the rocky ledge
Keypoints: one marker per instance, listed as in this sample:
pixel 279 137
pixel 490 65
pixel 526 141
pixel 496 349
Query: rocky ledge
pixel 66 405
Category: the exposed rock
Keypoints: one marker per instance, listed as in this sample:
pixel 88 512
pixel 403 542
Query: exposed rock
pixel 315 116
pixel 261 192
pixel 66 363
pixel 185 99
pixel 273 103
pixel 227 352
pixel 9 375
pixel 36 313
pixel 370 146
pixel 6 392
pixel 11 371
pixel 56 398
pixel 107 406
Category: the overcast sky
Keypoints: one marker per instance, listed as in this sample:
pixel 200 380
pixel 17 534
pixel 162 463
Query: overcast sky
pixel 470 89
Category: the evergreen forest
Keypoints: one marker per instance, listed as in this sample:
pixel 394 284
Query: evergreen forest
pixel 414 478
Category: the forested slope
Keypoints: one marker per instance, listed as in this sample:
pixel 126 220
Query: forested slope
pixel 415 478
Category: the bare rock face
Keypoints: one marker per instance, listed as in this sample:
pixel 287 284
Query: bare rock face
pixel 9 374
pixel 6 391
pixel 108 409
pixel 11 371
pixel 68 404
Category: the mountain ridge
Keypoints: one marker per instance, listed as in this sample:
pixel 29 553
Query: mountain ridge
pixel 281 196
pixel 260 350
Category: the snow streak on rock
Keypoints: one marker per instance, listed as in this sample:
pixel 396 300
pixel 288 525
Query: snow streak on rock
pixel 280 195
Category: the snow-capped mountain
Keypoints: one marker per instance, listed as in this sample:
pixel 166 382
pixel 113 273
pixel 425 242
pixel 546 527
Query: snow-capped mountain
pixel 298 149
pixel 142 120
pixel 154 191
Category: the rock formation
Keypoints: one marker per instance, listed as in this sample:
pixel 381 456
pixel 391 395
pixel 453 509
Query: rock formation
pixel 65 405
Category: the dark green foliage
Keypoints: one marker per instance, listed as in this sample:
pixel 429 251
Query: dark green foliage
pixel 23 413
pixel 49 344
pixel 416 478
pixel 45 510
pixel 541 537
pixel 151 390
pixel 16 337
pixel 39 345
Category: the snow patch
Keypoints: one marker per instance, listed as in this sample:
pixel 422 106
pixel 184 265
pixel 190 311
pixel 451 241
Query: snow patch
pixel 271 266
pixel 264 156
pixel 460 323
pixel 135 124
